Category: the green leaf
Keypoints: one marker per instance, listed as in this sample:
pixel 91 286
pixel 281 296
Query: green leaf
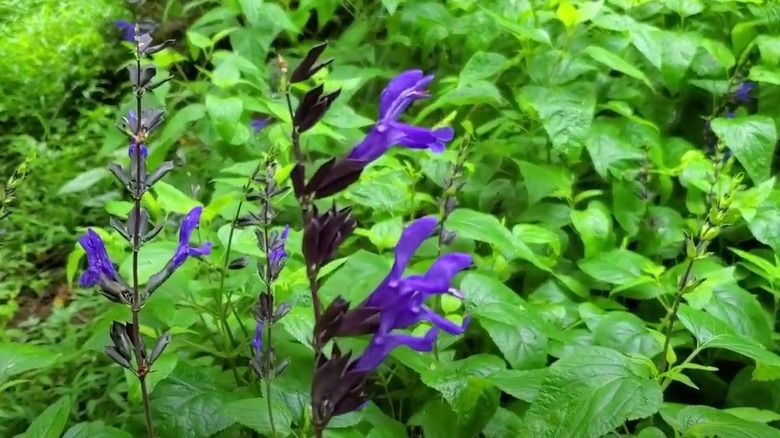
pixel 590 393
pixel 384 235
pixel 711 332
pixel 226 113
pixel 521 384
pixel 151 259
pixel 763 224
pixel 628 208
pixel 518 332
pixel 482 65
pixel 472 93
pixel 95 429
pixel 17 358
pixel 163 367
pixel 610 142
pixel 464 385
pixel 480 290
pixel 189 403
pixel 741 311
pixel 357 278
pixel 617 63
pixel 251 10
pixel 253 413
pixel 482 227
pixel 172 199
pixel 760 73
pixel 701 421
pixel 626 333
pixel 51 422
pixel 594 226
pixel 619 266
pixel 83 181
pixel 648 40
pixel 544 180
pixel 504 423
pixel 752 140
pixel 566 113
pixel 243 240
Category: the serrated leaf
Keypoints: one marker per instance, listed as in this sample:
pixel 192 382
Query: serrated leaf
pixel 711 332
pixel 189 404
pixel 752 140
pixel 566 113
pixel 626 332
pixel 590 393
pixel 543 180
pixel 707 421
pixel 482 65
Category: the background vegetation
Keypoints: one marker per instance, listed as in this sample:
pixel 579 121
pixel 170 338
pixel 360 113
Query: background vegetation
pixel 625 246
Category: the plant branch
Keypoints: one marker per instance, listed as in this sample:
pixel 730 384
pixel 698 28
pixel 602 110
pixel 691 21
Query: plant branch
pixel 140 356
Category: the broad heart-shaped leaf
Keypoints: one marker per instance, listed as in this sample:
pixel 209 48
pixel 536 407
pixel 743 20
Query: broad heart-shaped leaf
pixel 18 358
pixel 253 413
pixel 51 422
pixel 465 386
pixel 152 258
pixel 544 180
pixel 610 141
pixel 752 140
pixel 519 333
pixel 566 113
pixel 701 421
pixel 483 227
pixel 711 332
pixel 225 113
pixel 626 333
pixel 590 393
pixel 619 266
pixel 617 63
pixel 190 404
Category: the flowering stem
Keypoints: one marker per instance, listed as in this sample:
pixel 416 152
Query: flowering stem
pixel 312 270
pixel 268 356
pixel 699 248
pixel 142 367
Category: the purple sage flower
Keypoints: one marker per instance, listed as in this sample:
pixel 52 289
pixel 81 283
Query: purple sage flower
pixel 257 342
pixel 258 124
pixel 399 94
pixel 277 253
pixel 128 29
pixel 401 300
pixel 743 92
pixel 184 250
pixel 98 263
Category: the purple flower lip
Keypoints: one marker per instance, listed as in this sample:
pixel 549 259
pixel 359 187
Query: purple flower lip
pixel 184 250
pixel 398 95
pixel 743 92
pixel 99 265
pixel 127 28
pixel 259 124
pixel 401 300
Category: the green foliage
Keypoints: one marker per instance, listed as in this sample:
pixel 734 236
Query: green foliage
pixel 626 252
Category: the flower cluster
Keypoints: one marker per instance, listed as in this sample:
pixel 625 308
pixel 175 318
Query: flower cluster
pixel 340 383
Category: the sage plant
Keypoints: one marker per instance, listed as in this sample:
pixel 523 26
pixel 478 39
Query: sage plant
pixel 128 347
pixel 341 382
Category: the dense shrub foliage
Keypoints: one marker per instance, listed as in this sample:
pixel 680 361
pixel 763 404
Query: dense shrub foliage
pixel 438 218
